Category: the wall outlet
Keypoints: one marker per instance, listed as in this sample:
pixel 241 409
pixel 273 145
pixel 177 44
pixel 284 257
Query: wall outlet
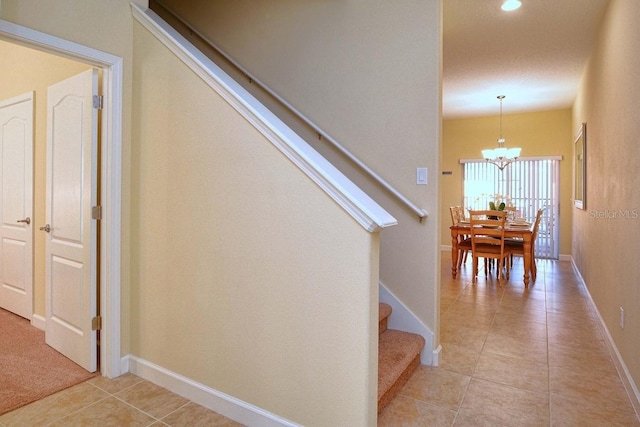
pixel 621 317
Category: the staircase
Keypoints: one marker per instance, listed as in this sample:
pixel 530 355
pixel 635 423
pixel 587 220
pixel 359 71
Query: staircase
pixel 398 357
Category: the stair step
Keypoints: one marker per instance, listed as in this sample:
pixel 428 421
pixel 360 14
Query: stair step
pixel 383 316
pixel 398 357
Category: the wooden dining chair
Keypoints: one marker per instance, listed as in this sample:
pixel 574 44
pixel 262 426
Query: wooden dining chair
pixel 464 242
pixel 487 240
pixel 516 246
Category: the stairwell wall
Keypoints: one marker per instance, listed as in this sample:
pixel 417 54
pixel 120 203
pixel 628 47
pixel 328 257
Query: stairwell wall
pixel 368 73
pixel 247 277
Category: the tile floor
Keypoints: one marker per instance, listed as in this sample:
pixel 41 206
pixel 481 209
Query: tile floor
pixel 126 401
pixel 510 357
pixel 515 357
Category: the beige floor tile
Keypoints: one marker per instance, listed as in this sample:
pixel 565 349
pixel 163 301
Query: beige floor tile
pixel 589 340
pixel 468 307
pixel 457 316
pixel 446 302
pixel 516 309
pixel 54 407
pixel 519 326
pixel 109 412
pixel 518 347
pixel 575 412
pixel 505 405
pixel 572 354
pixel 463 420
pixel 436 387
pixel 601 387
pixel 152 399
pixel 463 336
pixel 582 321
pixel 458 359
pixel 513 372
pixel 406 412
pixel 517 292
pixel 523 303
pixel 193 415
pixel 116 384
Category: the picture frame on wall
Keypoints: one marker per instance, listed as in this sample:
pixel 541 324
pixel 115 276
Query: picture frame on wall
pixel 580 168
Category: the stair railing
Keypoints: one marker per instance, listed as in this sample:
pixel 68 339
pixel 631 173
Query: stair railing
pixel 421 213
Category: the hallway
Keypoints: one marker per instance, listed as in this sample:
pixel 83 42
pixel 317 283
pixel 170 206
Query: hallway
pixel 515 357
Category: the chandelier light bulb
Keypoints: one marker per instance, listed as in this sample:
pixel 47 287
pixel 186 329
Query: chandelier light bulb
pixel 510 5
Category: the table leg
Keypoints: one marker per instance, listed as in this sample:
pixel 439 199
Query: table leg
pixel 527 261
pixel 454 253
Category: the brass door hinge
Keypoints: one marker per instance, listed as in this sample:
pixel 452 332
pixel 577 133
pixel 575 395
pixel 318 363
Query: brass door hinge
pixel 96 323
pixel 96 212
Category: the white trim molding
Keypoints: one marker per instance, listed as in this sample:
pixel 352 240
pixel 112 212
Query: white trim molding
pixel 222 403
pixel 351 198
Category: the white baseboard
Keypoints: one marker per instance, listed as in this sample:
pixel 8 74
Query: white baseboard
pixel 38 321
pixel 627 380
pixel 403 319
pixel 436 356
pixel 217 401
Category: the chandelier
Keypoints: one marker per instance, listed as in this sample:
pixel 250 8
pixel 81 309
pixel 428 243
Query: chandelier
pixel 501 156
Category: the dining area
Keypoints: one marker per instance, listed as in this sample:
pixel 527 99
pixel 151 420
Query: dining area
pixel 495 237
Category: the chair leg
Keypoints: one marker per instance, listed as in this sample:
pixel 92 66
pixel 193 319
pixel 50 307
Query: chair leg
pixel 534 269
pixel 474 269
pixel 461 254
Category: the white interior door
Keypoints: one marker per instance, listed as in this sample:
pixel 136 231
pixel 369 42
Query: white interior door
pixel 16 205
pixel 70 276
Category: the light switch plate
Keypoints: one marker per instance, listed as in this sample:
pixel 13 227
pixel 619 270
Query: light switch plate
pixel 421 176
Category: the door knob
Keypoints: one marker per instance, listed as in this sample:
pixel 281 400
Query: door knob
pixel 46 228
pixel 27 220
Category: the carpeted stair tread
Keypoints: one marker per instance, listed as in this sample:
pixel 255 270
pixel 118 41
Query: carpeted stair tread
pixel 384 312
pixel 398 357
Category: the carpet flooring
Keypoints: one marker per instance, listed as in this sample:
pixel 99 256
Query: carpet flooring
pixel 29 368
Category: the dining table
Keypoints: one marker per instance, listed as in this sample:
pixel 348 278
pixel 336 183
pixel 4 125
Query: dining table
pixel 512 230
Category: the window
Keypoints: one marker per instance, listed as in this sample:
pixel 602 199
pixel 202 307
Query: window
pixel 526 184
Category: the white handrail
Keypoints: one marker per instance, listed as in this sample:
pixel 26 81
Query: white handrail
pixel 416 209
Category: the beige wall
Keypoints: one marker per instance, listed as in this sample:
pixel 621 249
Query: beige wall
pixel 247 277
pixel 546 133
pixel 25 70
pixel 368 73
pixel 606 242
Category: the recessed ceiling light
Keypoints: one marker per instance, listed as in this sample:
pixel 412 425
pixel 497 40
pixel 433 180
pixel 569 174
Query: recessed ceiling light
pixel 510 5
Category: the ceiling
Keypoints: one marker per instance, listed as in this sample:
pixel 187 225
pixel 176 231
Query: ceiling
pixel 535 55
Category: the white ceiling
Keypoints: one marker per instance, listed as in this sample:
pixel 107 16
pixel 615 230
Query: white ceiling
pixel 535 56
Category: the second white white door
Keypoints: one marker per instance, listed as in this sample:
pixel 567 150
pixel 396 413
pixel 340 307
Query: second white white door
pixel 70 259
pixel 16 205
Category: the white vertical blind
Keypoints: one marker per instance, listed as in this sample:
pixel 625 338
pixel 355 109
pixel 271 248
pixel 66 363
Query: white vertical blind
pixel 527 184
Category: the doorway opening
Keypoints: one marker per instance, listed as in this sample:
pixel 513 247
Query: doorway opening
pixel 111 177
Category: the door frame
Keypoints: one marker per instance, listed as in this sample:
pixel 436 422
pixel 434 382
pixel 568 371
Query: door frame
pixel 111 177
